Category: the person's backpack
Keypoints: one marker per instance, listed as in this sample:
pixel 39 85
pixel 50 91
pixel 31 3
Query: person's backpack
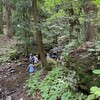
pixel 33 58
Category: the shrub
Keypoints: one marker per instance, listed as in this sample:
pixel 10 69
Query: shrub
pixel 13 54
pixel 54 86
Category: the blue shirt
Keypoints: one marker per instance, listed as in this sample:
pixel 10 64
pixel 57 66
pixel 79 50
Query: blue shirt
pixel 31 68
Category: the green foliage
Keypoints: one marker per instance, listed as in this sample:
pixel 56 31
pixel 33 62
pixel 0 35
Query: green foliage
pixel 49 4
pixel 97 2
pixel 33 83
pixel 69 48
pixel 23 25
pixel 51 63
pixel 53 86
pixel 12 54
pixel 95 93
pixel 96 52
pixel 94 90
pixel 83 63
pixel 57 23
pixel 4 58
pixel 96 71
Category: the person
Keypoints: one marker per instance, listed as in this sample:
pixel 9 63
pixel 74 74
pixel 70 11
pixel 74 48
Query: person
pixel 61 58
pixel 54 53
pixel 31 68
pixel 47 55
pixel 54 56
pixel 36 60
pixel 31 58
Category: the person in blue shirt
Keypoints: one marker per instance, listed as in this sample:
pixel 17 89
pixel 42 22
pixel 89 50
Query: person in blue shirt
pixel 31 68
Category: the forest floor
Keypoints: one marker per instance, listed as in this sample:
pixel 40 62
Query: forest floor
pixel 5 44
pixel 13 74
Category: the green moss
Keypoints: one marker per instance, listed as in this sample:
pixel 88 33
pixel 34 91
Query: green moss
pixel 13 54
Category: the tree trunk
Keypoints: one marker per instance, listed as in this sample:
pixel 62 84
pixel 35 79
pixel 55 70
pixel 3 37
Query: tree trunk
pixel 72 23
pixel 89 10
pixel 39 34
pixel 1 21
pixel 8 19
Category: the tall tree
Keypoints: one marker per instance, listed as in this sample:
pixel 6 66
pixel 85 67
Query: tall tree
pixel 89 10
pixel 8 19
pixel 1 14
pixel 38 33
pixel 73 21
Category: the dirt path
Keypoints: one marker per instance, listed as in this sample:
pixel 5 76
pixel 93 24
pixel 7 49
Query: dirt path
pixel 5 44
pixel 12 81
pixel 13 74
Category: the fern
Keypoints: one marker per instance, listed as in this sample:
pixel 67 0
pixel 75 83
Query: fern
pixel 53 87
pixel 94 90
pixel 33 83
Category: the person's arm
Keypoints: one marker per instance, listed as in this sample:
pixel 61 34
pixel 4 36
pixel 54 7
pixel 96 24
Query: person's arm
pixel 27 68
pixel 35 64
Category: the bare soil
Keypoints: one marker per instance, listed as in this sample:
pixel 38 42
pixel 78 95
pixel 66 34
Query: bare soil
pixel 13 74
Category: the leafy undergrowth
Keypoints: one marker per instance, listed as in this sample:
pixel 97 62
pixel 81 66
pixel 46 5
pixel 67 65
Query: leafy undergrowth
pixel 84 59
pixel 8 50
pixel 51 62
pixel 94 90
pixel 54 86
